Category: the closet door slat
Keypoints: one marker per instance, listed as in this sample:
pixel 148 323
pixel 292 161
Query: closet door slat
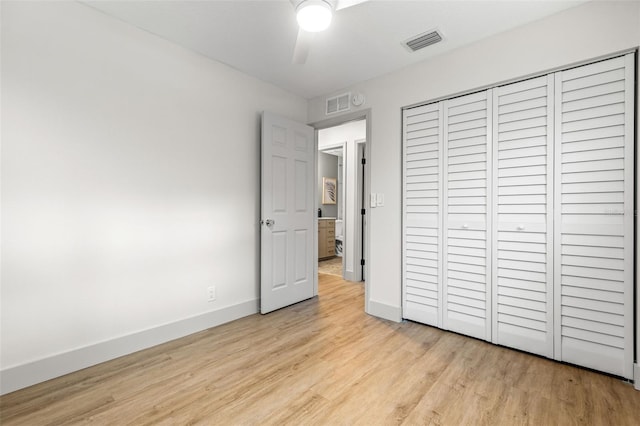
pixel 466 216
pixel 422 246
pixel 594 216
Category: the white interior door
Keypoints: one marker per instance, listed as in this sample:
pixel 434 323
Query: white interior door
pixel 287 213
pixel 523 217
pixel 467 213
pixel 594 215
pixel 422 235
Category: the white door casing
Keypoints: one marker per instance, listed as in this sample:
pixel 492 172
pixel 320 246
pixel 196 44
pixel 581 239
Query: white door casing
pixel 288 242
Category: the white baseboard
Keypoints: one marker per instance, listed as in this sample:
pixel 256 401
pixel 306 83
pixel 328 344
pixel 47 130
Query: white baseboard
pixel 636 376
pixel 354 276
pixel 21 376
pixel 349 275
pixel 382 310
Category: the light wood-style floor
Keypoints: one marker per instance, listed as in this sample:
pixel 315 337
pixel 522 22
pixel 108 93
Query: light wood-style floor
pixel 331 266
pixel 324 361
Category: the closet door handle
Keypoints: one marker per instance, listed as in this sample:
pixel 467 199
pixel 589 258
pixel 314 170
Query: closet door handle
pixel 465 226
pixel 520 227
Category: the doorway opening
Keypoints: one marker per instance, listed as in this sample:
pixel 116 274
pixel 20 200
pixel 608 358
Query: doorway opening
pixel 342 220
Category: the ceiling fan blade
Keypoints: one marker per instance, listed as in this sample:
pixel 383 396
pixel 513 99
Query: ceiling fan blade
pixel 343 4
pixel 303 44
pixel 295 3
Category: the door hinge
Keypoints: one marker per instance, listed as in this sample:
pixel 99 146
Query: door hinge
pixel 363 211
pixel 362 262
pixel 364 161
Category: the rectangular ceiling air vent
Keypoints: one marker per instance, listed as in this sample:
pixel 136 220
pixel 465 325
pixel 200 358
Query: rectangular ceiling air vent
pixel 423 40
pixel 338 103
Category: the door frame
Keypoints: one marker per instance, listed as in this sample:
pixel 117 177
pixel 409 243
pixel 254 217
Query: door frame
pixel 364 114
pixel 342 178
pixel 361 193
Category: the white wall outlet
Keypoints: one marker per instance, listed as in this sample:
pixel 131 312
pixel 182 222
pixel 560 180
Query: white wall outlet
pixel 373 202
pixel 211 293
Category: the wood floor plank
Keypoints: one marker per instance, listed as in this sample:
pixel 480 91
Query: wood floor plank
pixel 325 362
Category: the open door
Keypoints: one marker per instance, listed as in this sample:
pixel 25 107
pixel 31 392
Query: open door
pixel 287 213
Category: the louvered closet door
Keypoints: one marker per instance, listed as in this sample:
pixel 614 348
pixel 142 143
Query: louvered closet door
pixel 421 233
pixel 594 216
pixel 466 268
pixel 523 220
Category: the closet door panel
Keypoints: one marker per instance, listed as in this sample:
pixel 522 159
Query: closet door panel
pixel 422 278
pixel 594 216
pixel 466 173
pixel 522 269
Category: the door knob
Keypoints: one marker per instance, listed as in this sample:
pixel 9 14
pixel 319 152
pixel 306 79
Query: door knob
pixel 520 227
pixel 465 226
pixel 269 222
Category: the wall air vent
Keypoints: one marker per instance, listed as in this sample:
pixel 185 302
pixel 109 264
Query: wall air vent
pixel 338 103
pixel 422 40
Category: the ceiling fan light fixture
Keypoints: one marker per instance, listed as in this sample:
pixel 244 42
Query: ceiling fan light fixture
pixel 314 15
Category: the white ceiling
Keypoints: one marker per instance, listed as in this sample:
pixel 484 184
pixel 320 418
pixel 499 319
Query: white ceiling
pixel 363 41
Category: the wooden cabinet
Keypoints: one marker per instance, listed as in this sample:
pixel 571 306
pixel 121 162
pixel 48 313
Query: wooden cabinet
pixel 326 238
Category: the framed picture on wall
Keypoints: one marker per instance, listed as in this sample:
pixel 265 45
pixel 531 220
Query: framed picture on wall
pixel 329 190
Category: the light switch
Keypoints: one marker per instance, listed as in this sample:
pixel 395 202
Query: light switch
pixel 374 200
pixel 380 200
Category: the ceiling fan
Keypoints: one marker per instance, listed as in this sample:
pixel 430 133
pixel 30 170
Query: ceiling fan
pixel 314 16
